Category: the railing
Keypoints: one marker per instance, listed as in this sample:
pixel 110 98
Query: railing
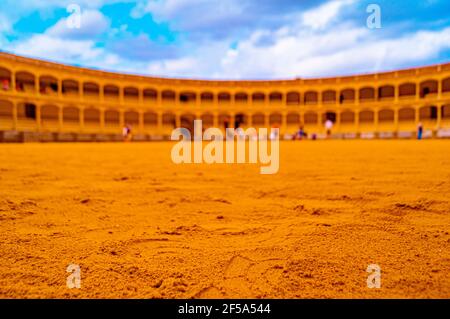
pixel 131 99
pixel 367 100
pixel 71 94
pixel 88 96
pixel 111 98
pixel 29 90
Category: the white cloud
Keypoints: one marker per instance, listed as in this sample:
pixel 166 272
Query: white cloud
pixel 5 28
pixel 307 44
pixel 317 43
pixel 219 19
pixel 11 11
pixel 5 23
pixel 92 23
pixel 46 46
pixel 322 16
pixel 31 5
pixel 68 51
pixel 180 67
pixel 170 9
pixel 340 51
pixel 73 46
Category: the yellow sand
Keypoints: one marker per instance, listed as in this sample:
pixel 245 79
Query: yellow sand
pixel 142 227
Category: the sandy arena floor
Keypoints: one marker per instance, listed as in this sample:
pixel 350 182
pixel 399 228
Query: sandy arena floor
pixel 142 227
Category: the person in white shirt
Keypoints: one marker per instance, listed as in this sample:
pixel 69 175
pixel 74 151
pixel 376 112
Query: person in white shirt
pixel 126 133
pixel 328 127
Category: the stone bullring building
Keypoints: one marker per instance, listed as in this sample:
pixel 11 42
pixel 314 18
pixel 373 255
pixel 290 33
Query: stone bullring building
pixel 44 101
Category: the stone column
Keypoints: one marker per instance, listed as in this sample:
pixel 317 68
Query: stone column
pixel 158 99
pixel 284 99
pixel 249 120
pixel 121 118
pixel 396 120
pixel 177 100
pixel 283 123
pixel 338 121
pixel 13 80
pixel 232 102
pixel 121 95
pixel 37 84
pixel 59 88
pixel 375 120
pixel 416 116
pixel 357 126
pixel 81 90
pixel 319 120
pixel 38 117
pixel 141 121
pixel 81 119
pixel 216 120
pixel 439 116
pixel 60 119
pixel 141 96
pixel 102 120
pixel 177 120
pixel 266 100
pixel 417 91
pixel 215 101
pixel 266 120
pixel 232 120
pixel 14 115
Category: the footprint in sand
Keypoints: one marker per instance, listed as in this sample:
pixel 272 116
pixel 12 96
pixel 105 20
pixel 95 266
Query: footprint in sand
pixel 237 266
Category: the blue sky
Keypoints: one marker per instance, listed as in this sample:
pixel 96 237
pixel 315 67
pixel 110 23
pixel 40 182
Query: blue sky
pixel 230 39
